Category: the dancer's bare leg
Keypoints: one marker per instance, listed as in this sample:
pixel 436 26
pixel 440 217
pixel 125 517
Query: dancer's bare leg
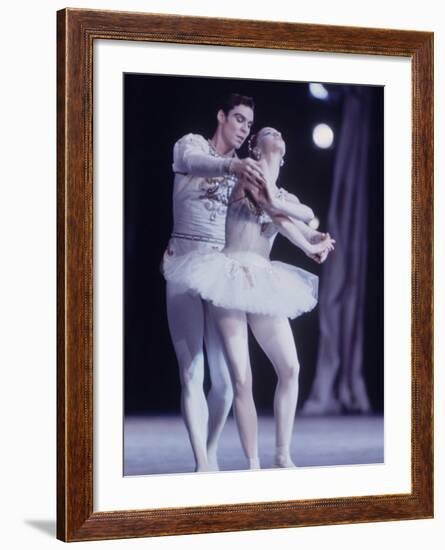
pixel 232 326
pixel 220 396
pixel 186 322
pixel 275 337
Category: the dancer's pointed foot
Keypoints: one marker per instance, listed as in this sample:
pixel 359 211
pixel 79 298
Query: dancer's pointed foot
pixel 213 465
pixel 202 466
pixel 212 460
pixel 283 458
pixel 254 463
pixel 284 462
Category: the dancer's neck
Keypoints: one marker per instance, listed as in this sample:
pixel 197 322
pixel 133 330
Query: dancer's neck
pixel 220 145
pixel 271 165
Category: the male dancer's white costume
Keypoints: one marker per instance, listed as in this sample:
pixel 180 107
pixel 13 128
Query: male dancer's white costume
pixel 202 187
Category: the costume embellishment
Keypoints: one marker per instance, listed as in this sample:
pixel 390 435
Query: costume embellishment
pixel 264 218
pixel 199 238
pixel 216 194
pixel 233 267
pixel 281 194
pixel 216 190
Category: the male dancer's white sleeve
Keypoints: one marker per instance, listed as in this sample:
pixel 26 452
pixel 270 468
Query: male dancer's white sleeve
pixel 191 155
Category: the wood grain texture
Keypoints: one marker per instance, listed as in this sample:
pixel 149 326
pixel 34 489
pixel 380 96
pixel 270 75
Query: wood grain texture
pixel 76 32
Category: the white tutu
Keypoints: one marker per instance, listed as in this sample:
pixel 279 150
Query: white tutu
pixel 245 281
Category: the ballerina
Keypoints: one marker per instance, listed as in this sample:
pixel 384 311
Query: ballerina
pixel 242 287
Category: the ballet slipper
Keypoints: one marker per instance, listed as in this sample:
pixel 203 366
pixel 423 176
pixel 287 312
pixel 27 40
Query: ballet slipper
pixel 213 463
pixel 282 458
pixel 254 463
pixel 283 462
pixel 212 458
pixel 202 467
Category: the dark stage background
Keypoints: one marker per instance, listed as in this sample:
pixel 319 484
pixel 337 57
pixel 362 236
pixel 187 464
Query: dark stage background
pixel 158 110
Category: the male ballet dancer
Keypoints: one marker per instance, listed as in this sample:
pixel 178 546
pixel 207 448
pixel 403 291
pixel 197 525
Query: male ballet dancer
pixel 205 173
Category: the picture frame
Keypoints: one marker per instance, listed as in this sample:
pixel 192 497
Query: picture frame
pixel 76 32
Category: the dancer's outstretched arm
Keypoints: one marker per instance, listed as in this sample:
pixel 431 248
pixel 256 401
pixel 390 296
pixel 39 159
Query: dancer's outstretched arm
pixel 278 202
pixel 287 204
pixel 315 244
pixel 314 237
pixel 311 234
pixel 292 231
pixel 190 156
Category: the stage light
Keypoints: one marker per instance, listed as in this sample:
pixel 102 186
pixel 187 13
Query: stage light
pixel 318 90
pixel 323 136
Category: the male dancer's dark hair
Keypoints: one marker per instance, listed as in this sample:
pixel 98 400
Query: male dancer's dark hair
pixel 236 99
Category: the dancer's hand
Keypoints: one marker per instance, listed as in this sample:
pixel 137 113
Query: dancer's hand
pixel 249 170
pixel 316 237
pixel 320 257
pixel 255 185
pixel 320 250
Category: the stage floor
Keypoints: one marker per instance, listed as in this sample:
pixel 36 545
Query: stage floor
pixel 160 445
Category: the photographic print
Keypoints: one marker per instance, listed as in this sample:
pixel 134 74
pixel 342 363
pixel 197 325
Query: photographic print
pixel 224 325
pixel 253 274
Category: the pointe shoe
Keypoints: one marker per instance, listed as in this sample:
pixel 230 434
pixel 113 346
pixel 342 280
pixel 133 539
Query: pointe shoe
pixel 283 462
pixel 203 467
pixel 213 465
pixel 199 469
pixel 212 460
pixel 254 464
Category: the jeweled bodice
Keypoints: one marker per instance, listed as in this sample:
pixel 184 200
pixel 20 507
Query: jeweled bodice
pixel 202 189
pixel 248 229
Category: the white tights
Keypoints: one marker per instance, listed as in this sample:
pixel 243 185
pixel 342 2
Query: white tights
pixel 275 337
pixel 190 325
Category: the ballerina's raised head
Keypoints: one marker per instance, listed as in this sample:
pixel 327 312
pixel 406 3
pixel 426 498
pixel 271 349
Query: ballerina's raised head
pixel 267 142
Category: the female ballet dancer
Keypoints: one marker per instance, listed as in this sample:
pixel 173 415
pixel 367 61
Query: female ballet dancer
pixel 243 287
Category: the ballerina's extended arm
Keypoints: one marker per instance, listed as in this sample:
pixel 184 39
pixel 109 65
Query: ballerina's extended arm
pixel 291 217
pixel 311 234
pixel 285 203
pixel 282 204
pixel 278 202
pixel 291 230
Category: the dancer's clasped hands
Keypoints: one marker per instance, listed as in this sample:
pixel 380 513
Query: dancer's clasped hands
pixel 323 244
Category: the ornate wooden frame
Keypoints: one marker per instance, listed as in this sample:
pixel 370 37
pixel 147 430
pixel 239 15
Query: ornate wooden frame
pixel 77 30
